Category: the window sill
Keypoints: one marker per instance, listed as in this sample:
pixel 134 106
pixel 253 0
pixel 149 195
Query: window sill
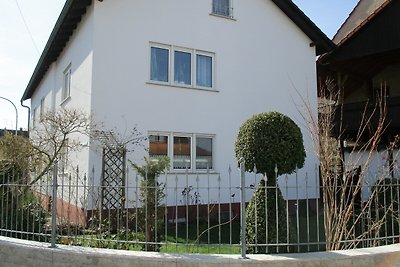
pixel 183 86
pixel 193 172
pixel 223 17
pixel 65 101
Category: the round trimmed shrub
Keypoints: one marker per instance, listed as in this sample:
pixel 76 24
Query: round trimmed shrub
pixel 266 141
pixel 270 139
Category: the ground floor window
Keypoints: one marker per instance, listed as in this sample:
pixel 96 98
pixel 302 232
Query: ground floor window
pixel 186 151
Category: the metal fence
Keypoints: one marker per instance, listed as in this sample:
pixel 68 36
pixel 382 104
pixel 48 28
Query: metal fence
pixel 161 214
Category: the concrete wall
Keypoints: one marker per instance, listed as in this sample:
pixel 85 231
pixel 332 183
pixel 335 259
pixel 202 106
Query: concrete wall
pixel 15 252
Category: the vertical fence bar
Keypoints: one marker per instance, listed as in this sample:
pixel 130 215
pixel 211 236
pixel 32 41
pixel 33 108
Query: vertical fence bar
pixel 287 214
pixel 176 213
pixel 166 209
pixel 208 211
pixel 187 189
pixel 242 209
pixel 297 211
pixel 219 214
pixel 54 206
pixel 276 208
pixel 197 213
pixel 77 210
pixel 230 206
pixel 308 215
pixel 318 188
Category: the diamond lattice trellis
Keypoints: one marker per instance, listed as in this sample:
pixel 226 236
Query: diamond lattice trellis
pixel 113 178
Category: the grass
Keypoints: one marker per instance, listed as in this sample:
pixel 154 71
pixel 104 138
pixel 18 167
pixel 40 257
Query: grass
pixel 195 238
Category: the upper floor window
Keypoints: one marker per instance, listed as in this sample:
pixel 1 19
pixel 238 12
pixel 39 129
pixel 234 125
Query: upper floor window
pixel 159 64
pixel 222 8
pixel 66 86
pixel 187 67
pixel 42 108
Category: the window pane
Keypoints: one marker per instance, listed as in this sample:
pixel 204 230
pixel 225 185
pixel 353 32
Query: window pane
pixel 182 152
pixel 221 7
pixel 158 146
pixel 182 69
pixel 66 84
pixel 159 64
pixel 203 153
pixel 204 71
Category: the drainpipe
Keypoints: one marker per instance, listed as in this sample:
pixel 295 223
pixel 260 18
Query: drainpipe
pixel 29 115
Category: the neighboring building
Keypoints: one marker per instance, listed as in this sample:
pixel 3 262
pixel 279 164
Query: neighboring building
pixel 20 132
pixel 366 60
pixel 188 73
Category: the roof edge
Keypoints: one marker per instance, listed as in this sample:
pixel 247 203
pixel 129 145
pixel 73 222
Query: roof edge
pixel 321 41
pixel 41 66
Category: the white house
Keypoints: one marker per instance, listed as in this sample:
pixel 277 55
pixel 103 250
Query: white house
pixel 188 73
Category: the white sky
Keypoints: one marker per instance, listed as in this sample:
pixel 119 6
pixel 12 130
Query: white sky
pixel 18 55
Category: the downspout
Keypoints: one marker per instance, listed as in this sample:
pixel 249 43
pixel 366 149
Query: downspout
pixel 29 115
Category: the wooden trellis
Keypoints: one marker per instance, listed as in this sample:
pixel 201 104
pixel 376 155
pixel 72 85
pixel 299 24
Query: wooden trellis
pixel 113 178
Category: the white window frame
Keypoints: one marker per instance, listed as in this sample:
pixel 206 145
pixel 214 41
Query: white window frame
pixel 230 15
pixel 171 67
pixel 42 108
pixel 193 137
pixel 34 114
pixel 161 46
pixel 66 84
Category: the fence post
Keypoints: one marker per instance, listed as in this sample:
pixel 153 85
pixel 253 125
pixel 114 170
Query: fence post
pixel 54 206
pixel 242 209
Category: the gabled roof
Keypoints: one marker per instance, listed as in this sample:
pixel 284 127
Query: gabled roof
pixel 320 40
pixel 67 22
pixel 73 11
pixel 363 12
pixel 376 34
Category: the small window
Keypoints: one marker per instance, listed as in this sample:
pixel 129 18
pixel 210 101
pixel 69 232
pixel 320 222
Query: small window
pixel 159 64
pixel 158 146
pixel 182 152
pixel 204 71
pixel 34 113
pixel 222 8
pixel 182 67
pixel 42 108
pixel 66 89
pixel 204 153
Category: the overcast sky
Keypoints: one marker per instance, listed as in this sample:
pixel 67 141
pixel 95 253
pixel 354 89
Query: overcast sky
pixel 23 37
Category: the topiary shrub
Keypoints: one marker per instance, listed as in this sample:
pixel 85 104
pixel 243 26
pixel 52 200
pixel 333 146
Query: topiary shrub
pixel 270 139
pixel 266 141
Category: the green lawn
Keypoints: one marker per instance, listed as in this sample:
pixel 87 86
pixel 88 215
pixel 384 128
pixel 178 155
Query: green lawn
pixel 195 238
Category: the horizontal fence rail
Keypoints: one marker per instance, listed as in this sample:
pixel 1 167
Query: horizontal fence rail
pixel 192 213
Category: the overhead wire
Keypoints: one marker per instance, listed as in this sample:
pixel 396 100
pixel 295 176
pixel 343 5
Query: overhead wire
pixel 27 28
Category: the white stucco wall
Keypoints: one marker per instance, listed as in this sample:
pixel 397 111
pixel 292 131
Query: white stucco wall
pixel 78 55
pixel 262 62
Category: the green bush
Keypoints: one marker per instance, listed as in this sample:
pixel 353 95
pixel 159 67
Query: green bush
pixel 270 139
pixel 273 144
pixel 262 220
pixel 22 211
